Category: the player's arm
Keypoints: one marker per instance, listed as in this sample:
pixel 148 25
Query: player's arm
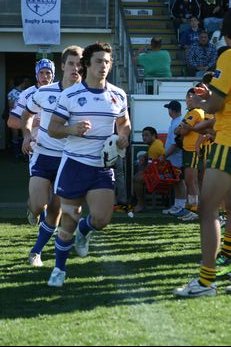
pixel 213 104
pixel 202 126
pixel 59 129
pixel 123 126
pixel 14 122
pixel 27 123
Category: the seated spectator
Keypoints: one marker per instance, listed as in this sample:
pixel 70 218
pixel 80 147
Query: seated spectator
pixel 212 14
pixel 201 56
pixel 218 39
pixel 190 35
pixel 181 11
pixel 155 150
pixel 155 63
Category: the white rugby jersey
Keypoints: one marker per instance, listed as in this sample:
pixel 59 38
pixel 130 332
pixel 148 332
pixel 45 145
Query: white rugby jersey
pixel 99 106
pixel 44 101
pixel 20 106
pixel 13 96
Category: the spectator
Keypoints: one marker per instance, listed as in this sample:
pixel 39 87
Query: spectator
pixel 155 150
pixel 218 39
pixel 190 35
pixel 212 13
pixel 174 154
pixel 201 56
pixel 157 62
pixel 181 11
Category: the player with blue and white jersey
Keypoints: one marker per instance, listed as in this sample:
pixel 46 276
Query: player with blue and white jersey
pixel 44 102
pixel 14 120
pixel 86 115
pixel 47 151
pixel 79 103
pixel 44 72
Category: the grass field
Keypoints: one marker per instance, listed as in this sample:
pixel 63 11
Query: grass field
pixel 120 295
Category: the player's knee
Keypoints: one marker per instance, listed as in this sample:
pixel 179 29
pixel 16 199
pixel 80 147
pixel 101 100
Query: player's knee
pixel 100 222
pixel 70 211
pixel 64 235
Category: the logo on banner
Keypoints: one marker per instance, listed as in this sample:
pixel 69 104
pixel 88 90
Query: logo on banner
pixel 41 7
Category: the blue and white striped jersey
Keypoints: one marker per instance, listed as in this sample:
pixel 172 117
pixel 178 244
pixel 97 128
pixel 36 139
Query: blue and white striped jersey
pixel 44 101
pixel 99 106
pixel 20 106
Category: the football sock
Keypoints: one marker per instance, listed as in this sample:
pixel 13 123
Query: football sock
pixel 226 248
pixel 44 235
pixel 62 249
pixel 207 276
pixel 85 225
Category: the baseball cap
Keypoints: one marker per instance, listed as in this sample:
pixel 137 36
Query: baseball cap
pixel 174 105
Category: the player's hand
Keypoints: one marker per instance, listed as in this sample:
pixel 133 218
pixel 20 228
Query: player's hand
pixel 122 142
pixel 26 145
pixel 80 128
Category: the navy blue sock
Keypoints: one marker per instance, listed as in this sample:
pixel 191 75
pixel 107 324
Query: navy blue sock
pixel 62 249
pixel 85 225
pixel 45 233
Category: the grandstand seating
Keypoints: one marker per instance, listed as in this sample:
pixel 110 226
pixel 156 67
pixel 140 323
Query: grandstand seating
pixel 145 19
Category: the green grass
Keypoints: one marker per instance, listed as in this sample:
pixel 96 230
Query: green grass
pixel 121 294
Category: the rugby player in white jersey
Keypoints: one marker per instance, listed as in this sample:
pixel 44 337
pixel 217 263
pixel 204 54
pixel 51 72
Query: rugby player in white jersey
pixel 44 73
pixel 86 115
pixel 47 151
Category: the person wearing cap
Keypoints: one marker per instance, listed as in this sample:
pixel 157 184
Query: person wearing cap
pixel 156 62
pixel 216 185
pixel 174 154
pixel 47 151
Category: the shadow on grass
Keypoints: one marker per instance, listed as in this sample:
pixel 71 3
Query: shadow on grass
pixel 130 263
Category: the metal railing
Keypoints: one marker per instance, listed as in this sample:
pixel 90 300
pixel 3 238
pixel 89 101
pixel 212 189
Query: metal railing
pixel 125 71
pixel 156 85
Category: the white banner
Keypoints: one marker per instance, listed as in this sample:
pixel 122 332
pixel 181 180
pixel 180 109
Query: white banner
pixel 41 22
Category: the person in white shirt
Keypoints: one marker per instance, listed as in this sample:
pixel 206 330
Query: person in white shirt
pixel 86 115
pixel 47 151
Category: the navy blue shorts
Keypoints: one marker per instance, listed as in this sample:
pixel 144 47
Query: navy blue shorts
pixel 44 166
pixel 75 179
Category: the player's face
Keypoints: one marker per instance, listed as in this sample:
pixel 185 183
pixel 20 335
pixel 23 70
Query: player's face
pixel 148 138
pixel 71 68
pixel 44 77
pixel 100 65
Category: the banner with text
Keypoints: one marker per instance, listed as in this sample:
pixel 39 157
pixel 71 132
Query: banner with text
pixel 41 22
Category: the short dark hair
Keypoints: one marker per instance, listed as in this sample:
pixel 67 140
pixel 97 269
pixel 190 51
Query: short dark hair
pixel 190 91
pixel 151 130
pixel 156 41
